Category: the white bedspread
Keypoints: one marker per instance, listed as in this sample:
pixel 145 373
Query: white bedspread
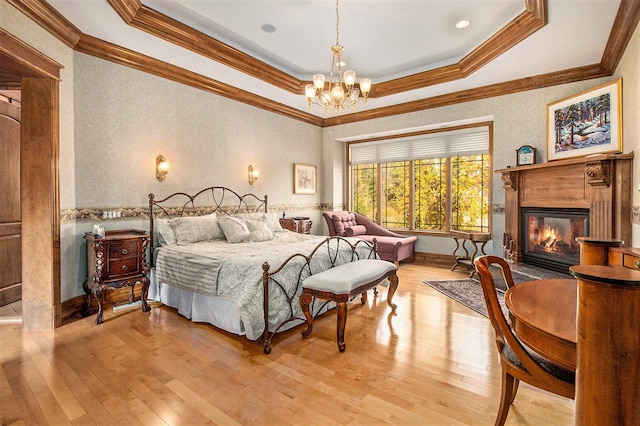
pixel 234 271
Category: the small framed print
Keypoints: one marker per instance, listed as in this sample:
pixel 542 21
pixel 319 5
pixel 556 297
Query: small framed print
pixel 525 155
pixel 304 179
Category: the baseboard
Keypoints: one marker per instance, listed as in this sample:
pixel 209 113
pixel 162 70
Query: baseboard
pixel 435 259
pixel 10 294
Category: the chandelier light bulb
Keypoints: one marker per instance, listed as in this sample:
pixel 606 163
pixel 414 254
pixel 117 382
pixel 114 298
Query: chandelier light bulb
pixel 349 78
pixel 318 81
pixel 365 87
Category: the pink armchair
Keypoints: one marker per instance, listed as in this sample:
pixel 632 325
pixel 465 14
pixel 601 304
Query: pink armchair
pixel 391 246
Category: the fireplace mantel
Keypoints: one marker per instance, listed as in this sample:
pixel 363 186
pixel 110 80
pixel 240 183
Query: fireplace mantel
pixel 601 183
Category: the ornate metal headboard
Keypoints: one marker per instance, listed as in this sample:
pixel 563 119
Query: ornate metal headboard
pixel 217 199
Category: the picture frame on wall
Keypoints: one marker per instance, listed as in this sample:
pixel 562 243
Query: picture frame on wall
pixel 586 123
pixel 304 179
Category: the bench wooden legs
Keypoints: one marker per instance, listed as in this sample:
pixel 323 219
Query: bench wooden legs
pixel 341 308
pixel 305 301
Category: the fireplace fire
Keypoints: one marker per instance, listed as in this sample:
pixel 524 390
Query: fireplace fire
pixel 549 236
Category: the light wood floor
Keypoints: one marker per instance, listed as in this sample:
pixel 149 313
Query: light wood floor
pixel 433 363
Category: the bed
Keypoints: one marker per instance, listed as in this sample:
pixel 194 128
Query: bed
pixel 221 258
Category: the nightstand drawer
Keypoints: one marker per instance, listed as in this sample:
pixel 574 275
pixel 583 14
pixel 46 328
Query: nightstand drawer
pixel 123 249
pixel 119 268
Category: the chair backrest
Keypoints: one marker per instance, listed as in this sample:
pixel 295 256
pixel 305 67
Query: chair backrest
pixel 529 370
pixel 328 218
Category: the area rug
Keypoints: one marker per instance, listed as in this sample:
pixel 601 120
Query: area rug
pixel 469 291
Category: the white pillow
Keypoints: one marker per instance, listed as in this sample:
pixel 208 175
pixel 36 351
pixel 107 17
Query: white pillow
pixel 258 231
pixel 271 219
pixel 258 236
pixel 166 234
pixel 235 230
pixel 255 224
pixel 192 229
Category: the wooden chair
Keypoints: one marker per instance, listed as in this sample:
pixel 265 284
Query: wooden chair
pixel 517 361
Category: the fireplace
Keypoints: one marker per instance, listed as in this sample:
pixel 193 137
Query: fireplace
pixel 549 236
pixel 600 185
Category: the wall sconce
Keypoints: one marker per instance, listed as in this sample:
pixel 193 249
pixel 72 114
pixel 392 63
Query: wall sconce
pixel 162 168
pixel 253 175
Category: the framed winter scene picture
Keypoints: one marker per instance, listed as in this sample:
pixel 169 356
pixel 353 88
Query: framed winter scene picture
pixel 587 123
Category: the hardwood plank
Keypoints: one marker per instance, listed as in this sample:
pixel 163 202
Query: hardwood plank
pixel 433 362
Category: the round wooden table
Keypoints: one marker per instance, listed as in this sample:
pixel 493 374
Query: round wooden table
pixel 544 318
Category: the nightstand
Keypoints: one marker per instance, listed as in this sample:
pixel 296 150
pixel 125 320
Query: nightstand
pixel 117 260
pixel 301 225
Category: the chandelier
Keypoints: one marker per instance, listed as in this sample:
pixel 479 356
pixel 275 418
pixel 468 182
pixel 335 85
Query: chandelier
pixel 342 93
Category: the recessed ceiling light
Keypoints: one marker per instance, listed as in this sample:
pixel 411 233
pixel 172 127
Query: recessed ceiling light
pixel 463 23
pixel 268 28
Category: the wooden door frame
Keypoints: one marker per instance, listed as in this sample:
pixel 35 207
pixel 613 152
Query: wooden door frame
pixel 38 78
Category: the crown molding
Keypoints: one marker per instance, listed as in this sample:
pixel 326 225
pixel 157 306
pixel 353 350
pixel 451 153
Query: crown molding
pixel 166 28
pixel 43 14
pixel 123 56
pixel 132 11
pixel 623 27
pixel 525 24
pixel 159 25
pixel 514 86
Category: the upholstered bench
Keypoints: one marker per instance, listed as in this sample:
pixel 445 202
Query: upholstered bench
pixel 343 282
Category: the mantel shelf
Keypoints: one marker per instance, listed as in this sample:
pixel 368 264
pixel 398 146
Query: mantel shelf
pixel 578 160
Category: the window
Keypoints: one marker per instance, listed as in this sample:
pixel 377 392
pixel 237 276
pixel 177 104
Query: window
pixel 434 181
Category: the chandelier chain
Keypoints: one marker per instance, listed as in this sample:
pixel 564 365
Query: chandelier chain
pixel 337 23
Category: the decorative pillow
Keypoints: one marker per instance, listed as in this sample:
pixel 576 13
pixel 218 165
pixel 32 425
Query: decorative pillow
pixel 254 225
pixel 270 219
pixel 166 234
pixel 342 222
pixel 234 228
pixel 355 230
pixel 258 236
pixel 192 229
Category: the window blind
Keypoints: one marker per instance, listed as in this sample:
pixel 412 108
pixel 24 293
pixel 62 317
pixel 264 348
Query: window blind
pixel 454 143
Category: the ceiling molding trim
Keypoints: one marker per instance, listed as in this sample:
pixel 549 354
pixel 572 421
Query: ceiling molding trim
pixel 525 24
pixel 623 28
pixel 162 26
pixel 626 21
pixel 120 55
pixel 514 86
pixel 43 14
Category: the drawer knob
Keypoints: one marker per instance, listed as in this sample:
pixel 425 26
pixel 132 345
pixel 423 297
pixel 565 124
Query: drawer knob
pixel 124 267
pixel 125 251
pixel 637 264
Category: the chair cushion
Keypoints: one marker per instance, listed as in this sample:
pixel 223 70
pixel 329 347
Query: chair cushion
pixel 343 221
pixel 554 369
pixel 344 278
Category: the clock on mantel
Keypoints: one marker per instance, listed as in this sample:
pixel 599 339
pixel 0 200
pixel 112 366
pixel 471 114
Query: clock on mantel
pixel 525 155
